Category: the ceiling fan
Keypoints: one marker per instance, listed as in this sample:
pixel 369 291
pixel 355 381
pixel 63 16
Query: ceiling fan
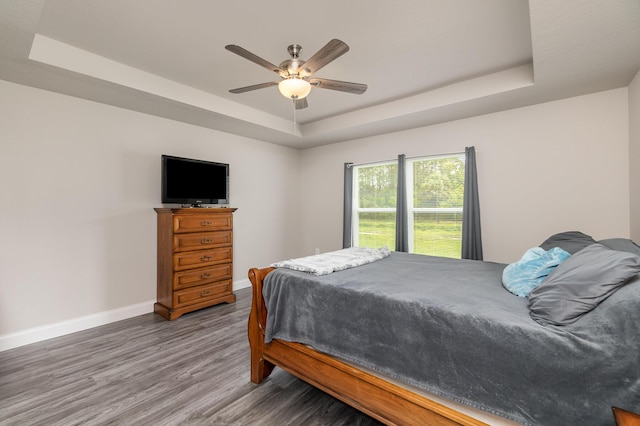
pixel 296 74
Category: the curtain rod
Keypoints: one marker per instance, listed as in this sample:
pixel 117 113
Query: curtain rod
pixel 448 154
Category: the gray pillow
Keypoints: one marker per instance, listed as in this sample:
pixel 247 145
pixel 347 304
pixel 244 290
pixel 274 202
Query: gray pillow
pixel 571 241
pixel 580 283
pixel 621 244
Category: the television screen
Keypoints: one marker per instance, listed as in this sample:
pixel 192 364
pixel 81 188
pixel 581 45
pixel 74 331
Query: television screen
pixel 194 182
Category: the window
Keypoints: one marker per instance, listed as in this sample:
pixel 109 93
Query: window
pixel 374 201
pixel 435 192
pixel 435 205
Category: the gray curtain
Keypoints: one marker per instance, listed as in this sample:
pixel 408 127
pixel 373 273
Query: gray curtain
pixel 402 230
pixel 471 235
pixel 348 200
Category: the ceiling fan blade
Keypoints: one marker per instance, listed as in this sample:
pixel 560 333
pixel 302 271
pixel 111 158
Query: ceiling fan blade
pixel 255 59
pixel 254 87
pixel 301 103
pixel 342 86
pixel 332 50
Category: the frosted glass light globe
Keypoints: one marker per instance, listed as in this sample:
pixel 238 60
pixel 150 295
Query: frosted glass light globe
pixel 294 88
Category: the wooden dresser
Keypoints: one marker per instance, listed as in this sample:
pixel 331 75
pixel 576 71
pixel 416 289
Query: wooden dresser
pixel 195 259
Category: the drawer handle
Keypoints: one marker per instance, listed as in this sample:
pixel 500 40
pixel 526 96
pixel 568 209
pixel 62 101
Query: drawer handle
pixel 205 223
pixel 205 275
pixel 205 293
pixel 205 241
pixel 205 258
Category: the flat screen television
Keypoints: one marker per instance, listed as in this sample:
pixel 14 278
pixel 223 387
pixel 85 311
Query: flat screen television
pixel 194 182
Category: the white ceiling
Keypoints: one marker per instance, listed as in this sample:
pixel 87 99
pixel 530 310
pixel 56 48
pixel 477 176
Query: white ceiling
pixel 425 61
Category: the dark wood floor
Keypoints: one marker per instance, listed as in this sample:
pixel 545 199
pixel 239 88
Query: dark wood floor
pixel 145 370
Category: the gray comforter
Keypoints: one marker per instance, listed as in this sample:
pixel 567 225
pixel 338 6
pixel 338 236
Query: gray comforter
pixel 449 327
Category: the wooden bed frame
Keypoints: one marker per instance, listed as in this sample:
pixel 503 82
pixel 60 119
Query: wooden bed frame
pixel 383 400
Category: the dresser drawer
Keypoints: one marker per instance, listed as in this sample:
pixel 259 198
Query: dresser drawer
pixel 194 277
pixel 199 223
pixel 201 293
pixel 201 240
pixel 202 258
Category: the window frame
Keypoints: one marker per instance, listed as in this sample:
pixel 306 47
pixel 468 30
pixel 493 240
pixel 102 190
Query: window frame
pixel 355 202
pixel 410 206
pixel 411 210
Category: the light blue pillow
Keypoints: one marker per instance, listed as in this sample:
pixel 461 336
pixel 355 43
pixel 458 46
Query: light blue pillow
pixel 526 274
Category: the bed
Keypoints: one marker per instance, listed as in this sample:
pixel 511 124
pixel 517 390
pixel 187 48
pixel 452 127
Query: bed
pixel 412 339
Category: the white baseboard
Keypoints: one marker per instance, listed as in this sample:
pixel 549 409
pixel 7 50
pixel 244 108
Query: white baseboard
pixel 49 331
pixel 237 285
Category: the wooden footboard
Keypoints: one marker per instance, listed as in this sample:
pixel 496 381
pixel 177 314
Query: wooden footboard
pixel 380 399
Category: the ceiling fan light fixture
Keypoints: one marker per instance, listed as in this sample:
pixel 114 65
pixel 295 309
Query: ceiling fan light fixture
pixel 294 88
pixel 297 74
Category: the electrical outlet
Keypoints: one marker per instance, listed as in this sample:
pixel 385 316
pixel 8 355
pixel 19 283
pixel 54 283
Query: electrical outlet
pixel 317 250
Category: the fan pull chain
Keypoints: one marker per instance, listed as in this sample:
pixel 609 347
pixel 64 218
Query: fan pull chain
pixel 294 115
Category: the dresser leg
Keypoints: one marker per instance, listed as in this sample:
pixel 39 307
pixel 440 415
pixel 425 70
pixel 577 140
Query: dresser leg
pixel 166 313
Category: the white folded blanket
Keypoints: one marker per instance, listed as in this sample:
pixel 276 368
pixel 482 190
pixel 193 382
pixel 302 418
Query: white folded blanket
pixel 326 263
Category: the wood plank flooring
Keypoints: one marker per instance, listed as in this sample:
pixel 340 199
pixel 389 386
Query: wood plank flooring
pixel 149 371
